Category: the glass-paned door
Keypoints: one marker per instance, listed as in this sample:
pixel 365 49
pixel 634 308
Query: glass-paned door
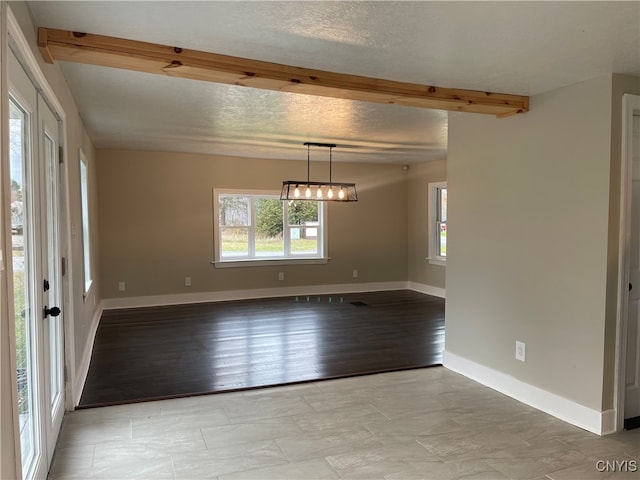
pixel 34 141
pixel 20 142
pixel 53 333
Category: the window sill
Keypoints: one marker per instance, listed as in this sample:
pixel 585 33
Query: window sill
pixel 270 262
pixel 437 261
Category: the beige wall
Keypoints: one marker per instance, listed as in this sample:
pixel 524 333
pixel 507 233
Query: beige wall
pixel 156 227
pixel 529 219
pixel 419 268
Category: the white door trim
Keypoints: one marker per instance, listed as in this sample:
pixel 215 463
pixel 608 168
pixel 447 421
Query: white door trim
pixel 31 64
pixel 7 359
pixel 630 105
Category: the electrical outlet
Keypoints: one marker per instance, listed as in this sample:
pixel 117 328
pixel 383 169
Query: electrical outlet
pixel 520 351
pixel 121 286
pixel 355 273
pixel 280 275
pixel 187 281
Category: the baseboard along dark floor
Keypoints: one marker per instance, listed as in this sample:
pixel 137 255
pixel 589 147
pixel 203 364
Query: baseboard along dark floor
pixel 164 352
pixel 631 423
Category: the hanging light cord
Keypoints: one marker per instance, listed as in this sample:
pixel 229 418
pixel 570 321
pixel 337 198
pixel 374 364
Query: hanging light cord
pixel 330 150
pixel 308 160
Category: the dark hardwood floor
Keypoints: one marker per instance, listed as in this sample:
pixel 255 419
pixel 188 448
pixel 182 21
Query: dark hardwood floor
pixel 163 352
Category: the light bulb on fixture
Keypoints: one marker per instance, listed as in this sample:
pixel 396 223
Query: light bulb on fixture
pixel 319 194
pixel 341 194
pixel 330 193
pixel 296 192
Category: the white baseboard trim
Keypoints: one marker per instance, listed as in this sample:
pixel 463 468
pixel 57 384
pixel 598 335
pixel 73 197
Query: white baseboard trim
pixel 600 423
pixel 427 289
pixel 609 424
pixel 83 369
pixel 222 296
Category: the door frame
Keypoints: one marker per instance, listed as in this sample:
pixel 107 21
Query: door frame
pixel 630 106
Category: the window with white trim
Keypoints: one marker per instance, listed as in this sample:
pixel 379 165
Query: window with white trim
pixel 438 223
pixel 86 231
pixel 256 226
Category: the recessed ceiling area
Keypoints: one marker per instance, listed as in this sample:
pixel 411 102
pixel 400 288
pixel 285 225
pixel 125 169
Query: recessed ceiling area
pixel 521 48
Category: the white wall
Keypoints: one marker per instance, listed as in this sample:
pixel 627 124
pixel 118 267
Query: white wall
pixel 528 229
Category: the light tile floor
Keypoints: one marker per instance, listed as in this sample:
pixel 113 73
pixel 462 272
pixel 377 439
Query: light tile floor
pixel 419 424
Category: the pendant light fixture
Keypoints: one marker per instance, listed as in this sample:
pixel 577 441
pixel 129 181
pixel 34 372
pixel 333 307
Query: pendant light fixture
pixel 319 191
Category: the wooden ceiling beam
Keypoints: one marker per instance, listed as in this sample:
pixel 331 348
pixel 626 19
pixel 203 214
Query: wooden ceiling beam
pixel 212 67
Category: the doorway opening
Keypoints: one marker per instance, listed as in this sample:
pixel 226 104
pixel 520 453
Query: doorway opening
pixel 627 389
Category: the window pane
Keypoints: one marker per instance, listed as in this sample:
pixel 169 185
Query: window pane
pixel 19 142
pixel 443 205
pixel 234 211
pixel 443 240
pixel 269 224
pixel 234 242
pixel 86 238
pixel 301 213
pixel 269 246
pixel 304 240
pixel 303 216
pixel 55 325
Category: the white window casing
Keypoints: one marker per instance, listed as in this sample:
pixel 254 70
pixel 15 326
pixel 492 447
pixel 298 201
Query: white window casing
pixel 437 223
pixel 240 238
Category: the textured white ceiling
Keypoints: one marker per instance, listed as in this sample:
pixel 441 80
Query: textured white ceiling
pixel 510 47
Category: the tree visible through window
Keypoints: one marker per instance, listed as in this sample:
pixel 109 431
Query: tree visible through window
pixel 262 227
